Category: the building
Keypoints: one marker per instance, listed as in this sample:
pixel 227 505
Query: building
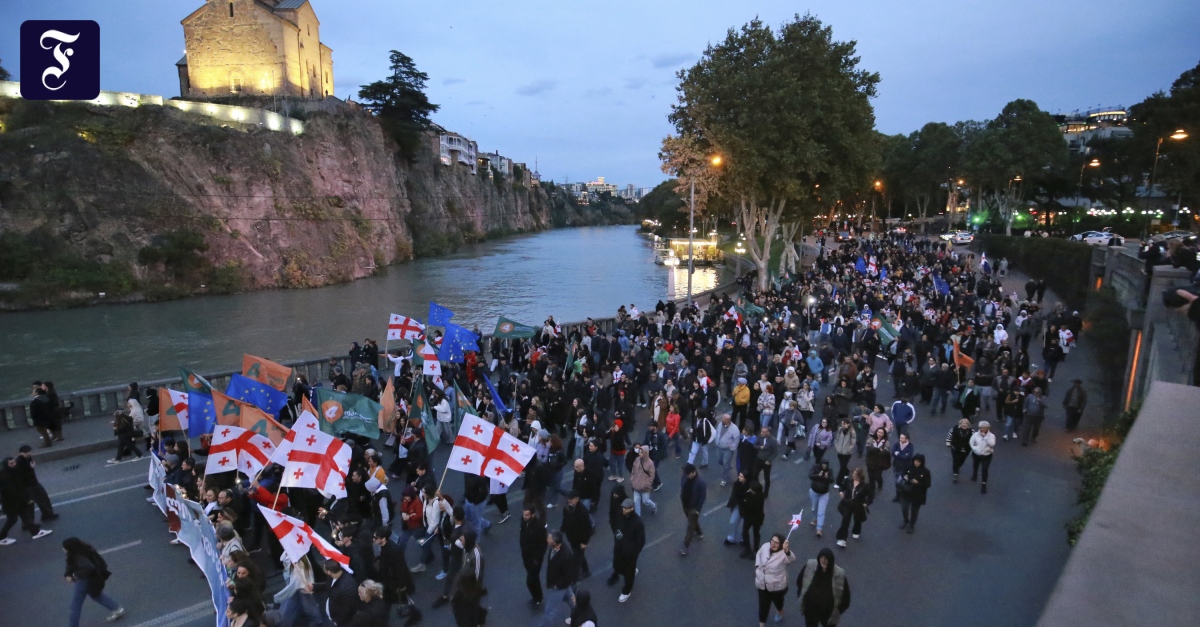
pixel 254 47
pixel 598 186
pixel 1080 128
pixel 454 148
pixel 499 162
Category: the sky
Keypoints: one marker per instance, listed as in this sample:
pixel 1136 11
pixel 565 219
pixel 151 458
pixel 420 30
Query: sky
pixel 584 87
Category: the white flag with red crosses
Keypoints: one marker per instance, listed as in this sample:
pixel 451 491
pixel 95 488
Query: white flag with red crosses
pixel 235 448
pixel 315 460
pixel 297 538
pixel 483 449
pixel 404 328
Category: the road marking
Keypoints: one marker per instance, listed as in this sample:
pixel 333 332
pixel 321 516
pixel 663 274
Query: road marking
pixel 127 545
pixel 181 617
pixel 99 485
pixel 98 495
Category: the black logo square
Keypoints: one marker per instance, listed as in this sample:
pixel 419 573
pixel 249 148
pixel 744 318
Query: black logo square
pixel 60 60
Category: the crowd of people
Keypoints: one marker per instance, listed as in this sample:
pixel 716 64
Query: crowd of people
pixel 746 383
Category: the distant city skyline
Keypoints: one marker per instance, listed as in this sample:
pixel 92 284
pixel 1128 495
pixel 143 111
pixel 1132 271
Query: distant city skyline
pixel 586 90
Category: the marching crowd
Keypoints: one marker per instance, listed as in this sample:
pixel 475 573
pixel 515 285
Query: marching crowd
pixel 790 373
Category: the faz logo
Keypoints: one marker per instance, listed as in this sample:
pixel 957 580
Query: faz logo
pixel 60 60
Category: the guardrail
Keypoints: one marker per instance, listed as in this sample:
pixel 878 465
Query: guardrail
pixel 103 401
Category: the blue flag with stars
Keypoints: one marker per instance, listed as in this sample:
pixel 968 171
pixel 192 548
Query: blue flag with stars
pixel 202 414
pixel 456 342
pixel 439 316
pixel 860 265
pixel 500 407
pixel 256 393
pixel 942 286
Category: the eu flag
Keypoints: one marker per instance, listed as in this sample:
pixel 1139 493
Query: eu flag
pixel 202 414
pixel 500 407
pixel 456 342
pixel 258 394
pixel 860 265
pixel 942 286
pixel 439 316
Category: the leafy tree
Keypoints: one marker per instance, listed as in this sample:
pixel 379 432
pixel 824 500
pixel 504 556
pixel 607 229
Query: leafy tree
pixel 1020 143
pixel 4 75
pixel 664 205
pixel 1114 183
pixel 934 164
pixel 401 103
pixel 1158 117
pixel 787 110
pixel 180 252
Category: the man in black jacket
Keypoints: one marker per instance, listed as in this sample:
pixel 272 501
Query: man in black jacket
pixel 630 540
pixel 562 571
pixel 453 549
pixel 342 602
pixel 41 411
pixel 586 483
pixel 578 528
pixel 533 553
pixel 27 476
pixel 391 570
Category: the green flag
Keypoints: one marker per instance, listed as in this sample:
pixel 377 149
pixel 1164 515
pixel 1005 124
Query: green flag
pixel 887 332
pixel 352 413
pixel 462 407
pixel 193 382
pixel 511 329
pixel 420 409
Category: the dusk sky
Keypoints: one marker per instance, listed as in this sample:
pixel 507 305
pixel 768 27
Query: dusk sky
pixel 586 86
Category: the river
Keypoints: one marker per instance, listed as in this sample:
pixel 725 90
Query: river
pixel 568 273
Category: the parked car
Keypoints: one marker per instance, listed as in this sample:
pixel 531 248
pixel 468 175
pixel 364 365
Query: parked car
pixel 1098 238
pixel 958 237
pixel 1170 235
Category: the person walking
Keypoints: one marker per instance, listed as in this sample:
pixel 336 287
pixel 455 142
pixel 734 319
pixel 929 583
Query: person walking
pixel 823 589
pixel 820 440
pixel 902 454
pixel 692 493
pixel 855 500
pixel 766 448
pixel 879 457
pixel 26 473
pixel 771 578
pixel 577 527
pixel 562 572
pixel 736 495
pixel 702 434
pixel 958 440
pixel 1014 408
pixel 630 539
pixel 533 553
pixel 727 438
pixel 391 570
pixel 912 487
pixel 741 402
pixel 125 433
pixel 88 573
pixel 818 493
pixel 583 614
pixel 1034 410
pixel 1074 403
pixel 844 442
pixel 641 479
pixel 17 503
pixel 903 414
pixel 41 412
pixel 983 443
pixel 753 514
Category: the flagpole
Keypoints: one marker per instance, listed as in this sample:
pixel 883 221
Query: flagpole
pixel 443 477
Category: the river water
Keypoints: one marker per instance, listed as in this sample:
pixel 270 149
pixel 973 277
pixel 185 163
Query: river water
pixel 569 273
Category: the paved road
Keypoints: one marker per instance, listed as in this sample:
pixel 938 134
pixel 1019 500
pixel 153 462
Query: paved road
pixel 975 559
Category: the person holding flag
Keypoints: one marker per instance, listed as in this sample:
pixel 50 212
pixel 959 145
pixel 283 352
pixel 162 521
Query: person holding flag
pixel 771 576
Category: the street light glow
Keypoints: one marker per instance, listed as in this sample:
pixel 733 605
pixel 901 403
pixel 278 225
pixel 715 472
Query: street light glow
pixel 715 160
pixel 1094 164
pixel 1179 134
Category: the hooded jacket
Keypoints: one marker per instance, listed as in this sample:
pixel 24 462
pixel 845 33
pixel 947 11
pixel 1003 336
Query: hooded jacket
pixel 922 477
pixel 824 594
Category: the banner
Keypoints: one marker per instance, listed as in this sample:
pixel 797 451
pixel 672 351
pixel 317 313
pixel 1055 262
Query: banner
pixel 341 413
pixel 507 329
pixel 187 520
pixel 244 415
pixel 266 371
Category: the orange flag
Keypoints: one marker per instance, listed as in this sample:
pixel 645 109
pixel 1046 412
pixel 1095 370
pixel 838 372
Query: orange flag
pixel 171 405
pixel 961 359
pixel 388 400
pixel 234 412
pixel 266 371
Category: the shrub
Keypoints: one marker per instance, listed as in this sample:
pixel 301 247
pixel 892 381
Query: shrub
pixel 1094 466
pixel 1065 266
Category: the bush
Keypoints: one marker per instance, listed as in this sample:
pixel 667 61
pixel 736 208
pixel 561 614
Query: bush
pixel 1065 266
pixel 44 266
pixel 1094 467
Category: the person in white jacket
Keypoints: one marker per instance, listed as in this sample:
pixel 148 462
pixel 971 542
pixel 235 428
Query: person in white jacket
pixel 296 599
pixel 435 508
pixel 983 443
pixel 771 576
pixel 727 438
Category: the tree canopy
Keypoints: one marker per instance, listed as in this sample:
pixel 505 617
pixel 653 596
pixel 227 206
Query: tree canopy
pixel 4 75
pixel 400 102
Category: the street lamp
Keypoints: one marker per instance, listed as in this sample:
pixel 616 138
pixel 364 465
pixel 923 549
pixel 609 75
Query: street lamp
pixel 715 161
pixel 1094 163
pixel 1178 135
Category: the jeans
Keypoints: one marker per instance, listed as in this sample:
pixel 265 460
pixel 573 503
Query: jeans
pixel 698 448
pixel 643 497
pixel 300 606
pixel 675 439
pixel 725 461
pixel 819 502
pixel 77 601
pixel 1011 427
pixel 553 613
pixel 735 517
pixel 617 464
pixel 445 431
pixel 1030 429
pixel 940 396
pixel 474 514
pixel 976 462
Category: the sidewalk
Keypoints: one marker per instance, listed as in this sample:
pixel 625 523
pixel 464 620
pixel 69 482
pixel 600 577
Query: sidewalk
pixel 80 437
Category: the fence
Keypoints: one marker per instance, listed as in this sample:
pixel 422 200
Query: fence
pixel 103 401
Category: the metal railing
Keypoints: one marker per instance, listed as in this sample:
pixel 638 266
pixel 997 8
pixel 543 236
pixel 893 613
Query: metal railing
pixel 103 401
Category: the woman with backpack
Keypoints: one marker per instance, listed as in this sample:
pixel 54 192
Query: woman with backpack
pixel 88 572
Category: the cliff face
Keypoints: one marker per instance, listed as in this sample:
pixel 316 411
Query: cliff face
pixel 96 186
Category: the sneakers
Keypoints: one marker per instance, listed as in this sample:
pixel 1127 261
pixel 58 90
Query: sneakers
pixel 116 615
pixel 43 533
pixel 549 505
pixel 113 461
pixel 841 543
pixel 659 487
pixel 176 541
pixel 983 488
pixel 7 541
pixel 440 576
pixel 956 477
pixel 149 499
pixel 503 518
pixel 623 598
pixel 419 568
pixel 724 483
pixel 855 536
pixel 683 551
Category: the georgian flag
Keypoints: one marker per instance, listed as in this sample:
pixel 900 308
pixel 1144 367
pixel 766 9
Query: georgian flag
pixel 315 460
pixel 306 420
pixel 403 328
pixel 483 449
pixel 432 366
pixel 235 448
pixel 297 538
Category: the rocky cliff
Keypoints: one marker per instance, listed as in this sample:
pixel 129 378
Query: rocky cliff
pixel 156 202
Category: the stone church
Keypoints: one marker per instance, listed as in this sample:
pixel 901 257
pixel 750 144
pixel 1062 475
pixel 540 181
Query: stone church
pixel 255 47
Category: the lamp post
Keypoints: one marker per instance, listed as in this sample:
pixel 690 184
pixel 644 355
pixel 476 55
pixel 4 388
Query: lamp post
pixel 1178 135
pixel 715 160
pixel 1094 163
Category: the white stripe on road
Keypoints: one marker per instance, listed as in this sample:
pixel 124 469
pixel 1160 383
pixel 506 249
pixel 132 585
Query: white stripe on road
pixel 99 485
pixel 99 494
pixel 127 545
pixel 181 617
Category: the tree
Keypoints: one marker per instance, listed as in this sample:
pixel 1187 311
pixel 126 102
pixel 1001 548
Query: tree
pixel 4 75
pixel 1158 117
pixel 787 110
pixel 400 102
pixel 1022 142
pixel 934 164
